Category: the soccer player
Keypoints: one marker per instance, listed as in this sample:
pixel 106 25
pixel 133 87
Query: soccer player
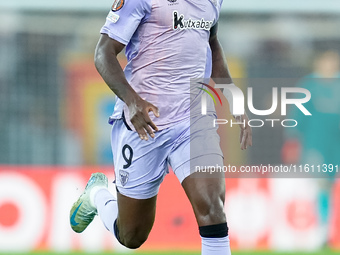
pixel 157 120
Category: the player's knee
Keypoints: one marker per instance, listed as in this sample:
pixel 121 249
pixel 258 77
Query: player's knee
pixel 211 211
pixel 213 215
pixel 133 241
pixel 131 237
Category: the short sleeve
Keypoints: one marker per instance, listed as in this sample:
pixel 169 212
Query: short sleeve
pixel 218 4
pixel 124 18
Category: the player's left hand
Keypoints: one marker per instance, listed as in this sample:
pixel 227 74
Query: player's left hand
pixel 246 139
pixel 140 119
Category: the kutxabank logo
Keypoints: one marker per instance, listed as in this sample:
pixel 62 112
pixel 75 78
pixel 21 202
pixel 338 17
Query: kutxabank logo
pixel 180 23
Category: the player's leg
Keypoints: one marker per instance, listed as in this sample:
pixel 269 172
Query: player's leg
pixel 129 219
pixel 199 147
pixel 206 196
pixel 140 167
pixel 135 220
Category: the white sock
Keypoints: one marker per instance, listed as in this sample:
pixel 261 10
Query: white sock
pixel 107 208
pixel 215 246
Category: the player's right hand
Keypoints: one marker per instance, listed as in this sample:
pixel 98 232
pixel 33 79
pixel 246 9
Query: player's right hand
pixel 140 119
pixel 246 137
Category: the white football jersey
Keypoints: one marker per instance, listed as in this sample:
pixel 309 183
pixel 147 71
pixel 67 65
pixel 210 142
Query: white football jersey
pixel 167 45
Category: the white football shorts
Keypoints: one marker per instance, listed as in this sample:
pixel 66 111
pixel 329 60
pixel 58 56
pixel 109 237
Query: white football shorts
pixel 140 166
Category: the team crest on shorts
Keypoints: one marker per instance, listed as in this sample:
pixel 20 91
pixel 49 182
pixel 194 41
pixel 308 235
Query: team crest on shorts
pixel 117 5
pixel 123 176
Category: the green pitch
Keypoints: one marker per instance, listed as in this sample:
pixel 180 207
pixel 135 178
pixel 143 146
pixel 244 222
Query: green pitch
pixel 324 252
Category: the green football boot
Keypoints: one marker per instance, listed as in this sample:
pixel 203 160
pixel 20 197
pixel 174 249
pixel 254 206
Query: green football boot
pixel 83 211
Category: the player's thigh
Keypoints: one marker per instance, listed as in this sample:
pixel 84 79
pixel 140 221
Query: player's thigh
pixel 135 218
pixel 207 196
pixel 198 139
pixel 139 165
pixel 199 149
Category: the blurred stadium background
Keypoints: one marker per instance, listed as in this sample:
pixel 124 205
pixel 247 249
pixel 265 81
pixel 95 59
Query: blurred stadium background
pixel 54 132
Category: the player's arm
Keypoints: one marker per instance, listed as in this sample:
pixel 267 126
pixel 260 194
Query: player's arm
pixel 220 69
pixel 220 72
pixel 109 68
